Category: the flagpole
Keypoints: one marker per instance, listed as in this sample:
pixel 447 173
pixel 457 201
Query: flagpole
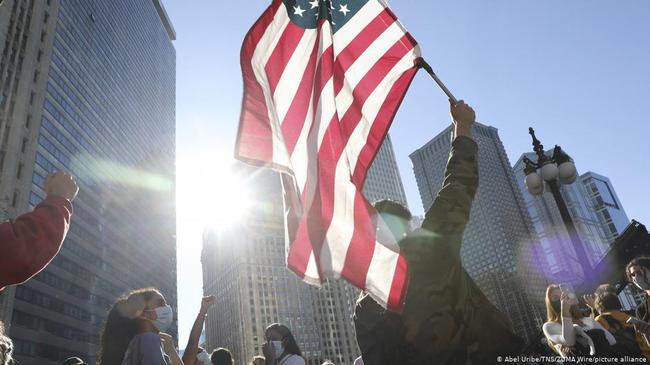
pixel 435 78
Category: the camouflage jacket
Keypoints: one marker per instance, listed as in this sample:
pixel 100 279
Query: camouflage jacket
pixel 446 318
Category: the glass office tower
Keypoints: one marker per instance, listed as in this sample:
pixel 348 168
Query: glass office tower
pixel 98 101
pixel 499 240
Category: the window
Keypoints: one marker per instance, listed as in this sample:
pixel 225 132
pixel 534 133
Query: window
pixel 34 199
pixel 19 173
pixel 14 201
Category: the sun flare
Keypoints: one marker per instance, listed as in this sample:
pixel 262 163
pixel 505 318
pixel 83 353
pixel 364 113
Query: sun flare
pixel 210 194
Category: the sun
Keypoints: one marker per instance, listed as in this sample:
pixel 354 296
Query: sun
pixel 209 194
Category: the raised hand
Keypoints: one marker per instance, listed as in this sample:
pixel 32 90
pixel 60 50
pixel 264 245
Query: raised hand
pixel 61 184
pixel 206 303
pixel 463 116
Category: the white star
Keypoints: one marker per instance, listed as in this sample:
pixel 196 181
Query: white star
pixel 297 10
pixel 314 4
pixel 344 10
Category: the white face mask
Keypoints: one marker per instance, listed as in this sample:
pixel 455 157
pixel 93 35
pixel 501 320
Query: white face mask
pixel 164 318
pixel 204 358
pixel 277 348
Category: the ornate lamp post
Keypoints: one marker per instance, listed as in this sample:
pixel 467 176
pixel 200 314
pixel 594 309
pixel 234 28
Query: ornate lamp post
pixel 557 167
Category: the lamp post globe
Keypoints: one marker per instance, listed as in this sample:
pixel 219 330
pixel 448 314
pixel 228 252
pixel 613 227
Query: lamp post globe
pixel 550 171
pixel 534 183
pixel 568 173
pixel 559 165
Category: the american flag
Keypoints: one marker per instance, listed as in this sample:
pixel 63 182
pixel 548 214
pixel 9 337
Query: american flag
pixel 323 80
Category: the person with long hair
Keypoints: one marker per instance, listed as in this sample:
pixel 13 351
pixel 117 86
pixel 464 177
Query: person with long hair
pixel 568 331
pixel 281 347
pixel 134 331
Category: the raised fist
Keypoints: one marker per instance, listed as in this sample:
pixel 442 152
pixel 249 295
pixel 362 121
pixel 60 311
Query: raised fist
pixel 62 185
pixel 463 116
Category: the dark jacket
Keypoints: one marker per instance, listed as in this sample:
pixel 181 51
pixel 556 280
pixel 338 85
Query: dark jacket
pixel 446 318
pixel 30 242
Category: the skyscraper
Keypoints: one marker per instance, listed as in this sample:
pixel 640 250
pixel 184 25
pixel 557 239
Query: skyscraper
pixel 606 204
pixel 548 224
pixel 597 214
pixel 384 180
pixel 497 244
pixel 246 266
pixel 26 33
pixel 88 86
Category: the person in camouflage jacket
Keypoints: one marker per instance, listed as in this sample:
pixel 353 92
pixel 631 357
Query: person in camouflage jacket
pixel 446 318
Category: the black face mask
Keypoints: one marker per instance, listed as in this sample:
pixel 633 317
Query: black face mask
pixel 556 306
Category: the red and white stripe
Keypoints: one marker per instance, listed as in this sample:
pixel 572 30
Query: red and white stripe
pixel 317 106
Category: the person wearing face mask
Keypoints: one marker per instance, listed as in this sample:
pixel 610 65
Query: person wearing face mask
pixel 192 353
pixel 134 331
pixel 570 333
pixel 281 347
pixel 638 273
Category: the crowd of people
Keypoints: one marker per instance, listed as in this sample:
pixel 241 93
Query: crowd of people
pixel 446 318
pixel 600 327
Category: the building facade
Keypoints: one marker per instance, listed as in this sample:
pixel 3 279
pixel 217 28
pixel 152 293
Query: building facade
pixel 88 87
pixel 597 214
pixel 606 204
pixel 246 266
pixel 554 239
pixel 384 180
pixel 497 244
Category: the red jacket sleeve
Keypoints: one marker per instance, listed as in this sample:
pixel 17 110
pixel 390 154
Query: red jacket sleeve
pixel 30 242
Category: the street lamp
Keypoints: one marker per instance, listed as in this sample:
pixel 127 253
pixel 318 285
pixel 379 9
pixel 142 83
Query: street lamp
pixel 557 167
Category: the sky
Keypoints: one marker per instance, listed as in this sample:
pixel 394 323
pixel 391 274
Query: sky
pixel 577 71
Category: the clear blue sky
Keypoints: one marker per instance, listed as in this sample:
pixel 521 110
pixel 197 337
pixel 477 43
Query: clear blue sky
pixel 578 71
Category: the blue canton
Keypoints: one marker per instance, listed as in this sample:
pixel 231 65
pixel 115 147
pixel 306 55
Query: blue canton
pixel 307 13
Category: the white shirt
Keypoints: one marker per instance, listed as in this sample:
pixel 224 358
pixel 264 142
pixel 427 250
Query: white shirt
pixel 567 333
pixel 292 360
